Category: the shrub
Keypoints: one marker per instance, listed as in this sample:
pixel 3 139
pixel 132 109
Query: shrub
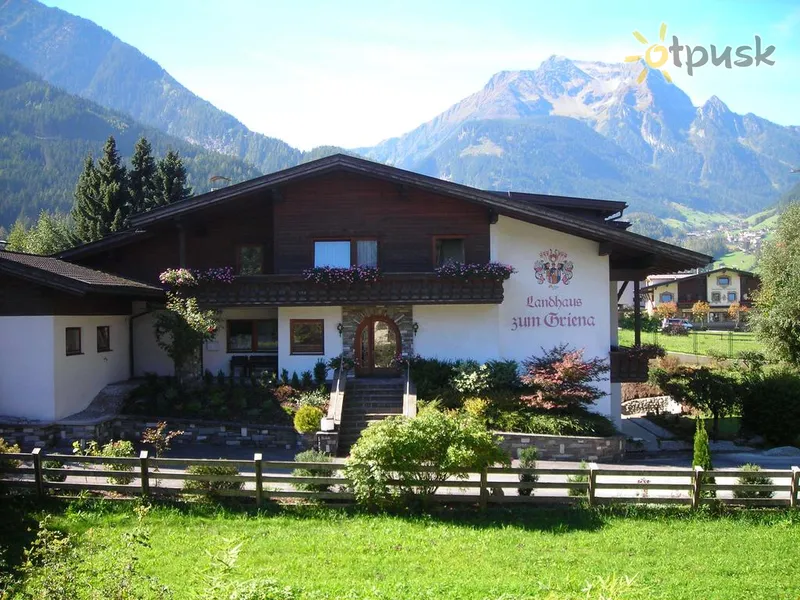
pixel 431 376
pixel 204 485
pixel 320 372
pixel 583 423
pixel 632 391
pixel 284 377
pixel 503 374
pixel 702 454
pixel 397 447
pixel 471 378
pixel 261 589
pixel 476 407
pixel 313 456
pixel 54 464
pixel 117 449
pixel 771 406
pixel 319 398
pixel 285 393
pixel 527 460
pixel 307 419
pixel 754 479
pixel 306 380
pixel 6 448
pixel 295 381
pixel 576 492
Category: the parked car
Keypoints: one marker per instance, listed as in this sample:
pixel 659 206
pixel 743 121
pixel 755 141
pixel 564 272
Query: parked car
pixel 677 323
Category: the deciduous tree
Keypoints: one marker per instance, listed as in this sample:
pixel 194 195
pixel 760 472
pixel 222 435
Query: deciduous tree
pixel 700 310
pixel 666 310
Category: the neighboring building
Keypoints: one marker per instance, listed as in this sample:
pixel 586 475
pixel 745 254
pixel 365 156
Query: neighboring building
pixel 64 334
pixel 720 288
pixel 342 211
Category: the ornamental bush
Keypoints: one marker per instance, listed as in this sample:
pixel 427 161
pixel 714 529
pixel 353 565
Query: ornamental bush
pixel 307 419
pixel 471 378
pixel 754 479
pixel 313 456
pixel 771 406
pixel 205 485
pixel 6 448
pixel 527 460
pixel 119 448
pixel 398 447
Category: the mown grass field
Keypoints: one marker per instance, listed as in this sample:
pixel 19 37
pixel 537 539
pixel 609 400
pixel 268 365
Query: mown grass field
pixel 503 554
pixel 698 342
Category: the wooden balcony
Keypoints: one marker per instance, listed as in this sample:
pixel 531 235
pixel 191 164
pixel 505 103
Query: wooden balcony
pixel 392 288
pixel 628 369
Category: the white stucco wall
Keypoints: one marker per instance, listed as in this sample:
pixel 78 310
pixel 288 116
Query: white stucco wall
pixel 26 367
pixel 78 378
pixel 215 354
pixel 332 315
pixel 457 332
pixel 536 315
pixel 734 286
pixel 671 287
pixel 147 356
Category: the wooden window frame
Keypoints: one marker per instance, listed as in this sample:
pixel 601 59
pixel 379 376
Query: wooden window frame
pixel 108 337
pixel 80 341
pixel 353 241
pixel 239 248
pixel 436 238
pixel 292 323
pixel 253 337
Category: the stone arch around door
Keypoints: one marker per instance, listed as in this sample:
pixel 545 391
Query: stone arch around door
pixel 401 316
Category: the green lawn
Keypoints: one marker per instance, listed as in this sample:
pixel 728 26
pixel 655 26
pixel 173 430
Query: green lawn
pixel 698 342
pixel 511 554
pixel 737 260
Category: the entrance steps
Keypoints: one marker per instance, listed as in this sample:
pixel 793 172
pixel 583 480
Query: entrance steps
pixel 367 401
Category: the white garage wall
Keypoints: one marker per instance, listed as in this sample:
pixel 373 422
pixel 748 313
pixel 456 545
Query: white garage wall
pixel 215 355
pixel 80 377
pixel 457 332
pixel 536 315
pixel 148 357
pixel 26 367
pixel 333 341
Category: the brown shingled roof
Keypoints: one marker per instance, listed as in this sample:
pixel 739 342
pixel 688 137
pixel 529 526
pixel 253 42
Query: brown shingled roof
pixel 60 274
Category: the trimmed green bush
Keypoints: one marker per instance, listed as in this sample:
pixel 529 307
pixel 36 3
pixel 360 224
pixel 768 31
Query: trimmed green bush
pixel 771 406
pixel 527 460
pixel 575 422
pixel 313 456
pixel 117 449
pixel 54 464
pixel 579 479
pixel 702 454
pixel 307 419
pixel 201 485
pixel 754 479
pixel 6 448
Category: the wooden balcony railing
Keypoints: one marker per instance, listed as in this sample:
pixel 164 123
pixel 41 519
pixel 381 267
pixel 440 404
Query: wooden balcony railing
pixel 392 288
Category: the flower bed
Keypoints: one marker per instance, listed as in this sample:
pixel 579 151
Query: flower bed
pixel 342 275
pixel 494 271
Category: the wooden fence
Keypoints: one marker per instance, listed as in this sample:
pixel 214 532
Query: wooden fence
pixel 273 480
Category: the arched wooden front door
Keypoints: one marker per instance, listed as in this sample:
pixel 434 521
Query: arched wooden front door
pixel 377 343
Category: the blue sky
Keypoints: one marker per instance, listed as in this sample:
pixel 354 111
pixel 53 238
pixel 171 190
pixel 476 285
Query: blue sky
pixel 353 73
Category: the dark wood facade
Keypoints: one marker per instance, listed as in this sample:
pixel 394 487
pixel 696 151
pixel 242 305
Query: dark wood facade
pixel 23 298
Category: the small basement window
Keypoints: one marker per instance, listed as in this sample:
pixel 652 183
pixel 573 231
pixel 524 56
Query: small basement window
pixel 103 338
pixel 307 336
pixel 73 341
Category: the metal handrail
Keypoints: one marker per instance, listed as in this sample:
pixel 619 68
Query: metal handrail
pixel 337 398
pixel 409 395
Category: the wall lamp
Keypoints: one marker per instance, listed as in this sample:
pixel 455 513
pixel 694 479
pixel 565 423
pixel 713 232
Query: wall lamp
pixel 340 328
pixel 415 327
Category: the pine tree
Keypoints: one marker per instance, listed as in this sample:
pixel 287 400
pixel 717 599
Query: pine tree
pixel 86 212
pixel 702 453
pixel 171 180
pixel 142 177
pixel 113 186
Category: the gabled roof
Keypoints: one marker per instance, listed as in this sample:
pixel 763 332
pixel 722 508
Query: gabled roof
pixel 680 277
pixel 58 274
pixel 663 256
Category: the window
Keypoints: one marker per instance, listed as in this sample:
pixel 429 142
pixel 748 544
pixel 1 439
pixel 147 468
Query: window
pixel 731 296
pixel 332 254
pixel 666 297
pixel 103 338
pixel 73 340
pixel 250 260
pixel 723 281
pixel 253 335
pixel 448 249
pixel 307 336
pixel 345 253
pixel 715 297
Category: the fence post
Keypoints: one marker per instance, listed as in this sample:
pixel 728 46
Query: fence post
pixel 793 487
pixel 730 344
pixel 37 471
pixel 257 463
pixel 144 474
pixel 697 482
pixel 592 484
pixel 484 499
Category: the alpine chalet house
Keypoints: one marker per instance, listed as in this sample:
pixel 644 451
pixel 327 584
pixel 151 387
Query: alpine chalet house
pixel 720 288
pixel 282 311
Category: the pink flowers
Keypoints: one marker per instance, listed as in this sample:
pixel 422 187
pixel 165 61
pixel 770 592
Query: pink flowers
pixel 494 271
pixel 345 275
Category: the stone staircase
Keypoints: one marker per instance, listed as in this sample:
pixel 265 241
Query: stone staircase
pixel 367 401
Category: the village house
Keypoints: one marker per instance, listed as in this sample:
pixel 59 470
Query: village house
pixel 720 288
pixel 568 255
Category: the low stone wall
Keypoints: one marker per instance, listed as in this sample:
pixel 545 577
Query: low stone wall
pixel 565 447
pixel 656 404
pixel 30 435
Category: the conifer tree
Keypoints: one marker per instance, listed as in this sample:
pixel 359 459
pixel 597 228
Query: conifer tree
pixel 86 212
pixel 171 180
pixel 113 185
pixel 142 177
pixel 702 453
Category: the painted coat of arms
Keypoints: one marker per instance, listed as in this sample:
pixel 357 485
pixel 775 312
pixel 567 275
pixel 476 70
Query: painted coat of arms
pixel 553 268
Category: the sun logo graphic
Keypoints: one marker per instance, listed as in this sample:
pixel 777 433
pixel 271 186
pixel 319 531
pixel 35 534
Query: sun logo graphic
pixel 654 50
